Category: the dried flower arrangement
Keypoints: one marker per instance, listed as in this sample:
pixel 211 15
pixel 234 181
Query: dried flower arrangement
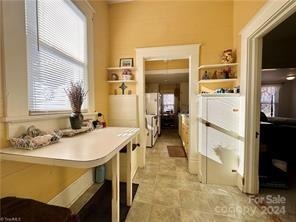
pixel 76 94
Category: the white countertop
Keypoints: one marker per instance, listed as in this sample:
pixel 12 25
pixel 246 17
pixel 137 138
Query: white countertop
pixel 81 151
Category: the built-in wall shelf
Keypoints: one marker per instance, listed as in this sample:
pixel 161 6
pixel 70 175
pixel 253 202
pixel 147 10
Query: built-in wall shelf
pixel 216 80
pixel 121 81
pixel 121 68
pixel 212 66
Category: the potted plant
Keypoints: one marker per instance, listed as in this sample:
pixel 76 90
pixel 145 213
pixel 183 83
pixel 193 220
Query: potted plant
pixel 76 94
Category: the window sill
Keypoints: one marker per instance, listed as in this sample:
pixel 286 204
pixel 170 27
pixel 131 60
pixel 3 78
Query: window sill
pixel 23 119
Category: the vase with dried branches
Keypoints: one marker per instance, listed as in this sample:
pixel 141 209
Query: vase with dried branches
pixel 76 94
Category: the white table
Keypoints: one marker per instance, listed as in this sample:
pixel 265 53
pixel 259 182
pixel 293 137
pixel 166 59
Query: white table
pixel 86 151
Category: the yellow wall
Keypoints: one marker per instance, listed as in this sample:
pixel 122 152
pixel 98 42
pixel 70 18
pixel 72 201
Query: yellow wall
pixel 214 24
pixel 2 129
pixel 101 55
pixel 44 182
pixel 159 23
pixel 243 11
pixel 169 64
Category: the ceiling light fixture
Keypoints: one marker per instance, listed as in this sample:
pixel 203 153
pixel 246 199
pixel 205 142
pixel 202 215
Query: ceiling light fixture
pixel 290 77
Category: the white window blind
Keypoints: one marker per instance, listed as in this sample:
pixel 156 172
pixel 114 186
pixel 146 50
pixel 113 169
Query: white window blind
pixel 56 51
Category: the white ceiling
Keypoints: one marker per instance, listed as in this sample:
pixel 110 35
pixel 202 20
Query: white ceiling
pixel 167 78
pixel 276 75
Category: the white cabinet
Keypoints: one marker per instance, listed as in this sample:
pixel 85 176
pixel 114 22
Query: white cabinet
pixel 218 138
pixel 123 110
pixel 223 112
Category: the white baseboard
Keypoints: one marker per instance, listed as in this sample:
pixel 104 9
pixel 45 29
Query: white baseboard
pixel 69 195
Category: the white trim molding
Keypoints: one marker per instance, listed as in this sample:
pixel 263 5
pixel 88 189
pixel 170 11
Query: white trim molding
pixel 190 52
pixel 69 195
pixel 166 71
pixel 267 18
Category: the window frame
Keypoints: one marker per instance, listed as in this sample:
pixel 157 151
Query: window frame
pixel 14 40
pixel 45 45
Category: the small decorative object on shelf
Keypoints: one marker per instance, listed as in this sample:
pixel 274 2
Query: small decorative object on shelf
pixel 123 87
pixel 220 90
pixel 126 74
pixel 76 94
pixel 227 56
pixel 227 73
pixel 236 89
pixel 126 62
pixel 129 92
pixel 115 91
pixel 100 122
pixel 206 75
pixel 214 76
pixel 114 76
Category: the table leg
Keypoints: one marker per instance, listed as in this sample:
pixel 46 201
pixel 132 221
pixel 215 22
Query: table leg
pixel 129 188
pixel 115 188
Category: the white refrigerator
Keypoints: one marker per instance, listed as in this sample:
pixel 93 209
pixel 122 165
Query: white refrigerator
pixel 153 107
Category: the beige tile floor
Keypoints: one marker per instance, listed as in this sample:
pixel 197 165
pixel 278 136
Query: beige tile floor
pixel 167 192
pixel 288 204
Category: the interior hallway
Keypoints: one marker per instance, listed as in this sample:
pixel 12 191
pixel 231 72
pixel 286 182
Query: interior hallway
pixel 167 192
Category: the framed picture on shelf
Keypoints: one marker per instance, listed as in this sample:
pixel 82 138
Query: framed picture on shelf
pixel 126 62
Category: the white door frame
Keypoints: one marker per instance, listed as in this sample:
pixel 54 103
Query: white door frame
pixel 190 52
pixel 268 17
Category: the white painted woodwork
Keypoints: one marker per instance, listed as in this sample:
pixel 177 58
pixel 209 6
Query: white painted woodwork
pixel 123 110
pixel 190 52
pixel 115 188
pixel 216 80
pixel 219 142
pixel 166 71
pixel 121 81
pixel 129 180
pixel 224 112
pixel 123 113
pixel 69 195
pixel 222 158
pixel 121 68
pixel 212 66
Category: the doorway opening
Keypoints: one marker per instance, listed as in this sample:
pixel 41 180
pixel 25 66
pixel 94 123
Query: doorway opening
pixel 277 166
pixel 167 101
pixel 269 16
pixel 189 52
